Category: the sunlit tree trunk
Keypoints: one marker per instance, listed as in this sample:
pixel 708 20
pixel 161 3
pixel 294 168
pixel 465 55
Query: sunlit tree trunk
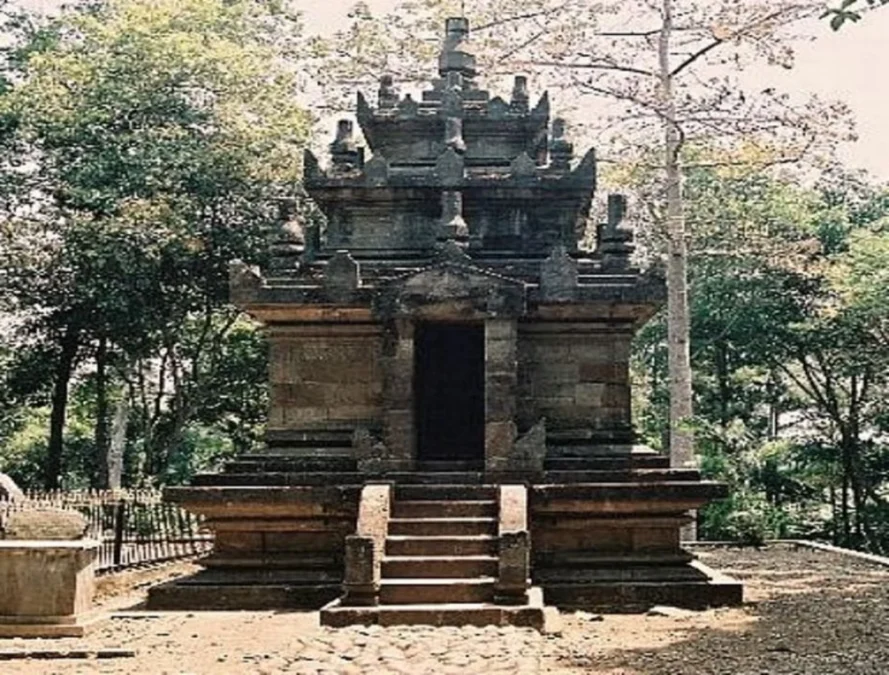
pixel 678 322
pixel 101 430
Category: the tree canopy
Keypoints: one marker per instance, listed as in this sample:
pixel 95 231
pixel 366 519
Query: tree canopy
pixel 157 142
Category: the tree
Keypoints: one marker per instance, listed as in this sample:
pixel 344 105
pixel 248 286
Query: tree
pixel 163 138
pixel 789 352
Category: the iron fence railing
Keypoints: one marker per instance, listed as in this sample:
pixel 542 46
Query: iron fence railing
pixel 136 527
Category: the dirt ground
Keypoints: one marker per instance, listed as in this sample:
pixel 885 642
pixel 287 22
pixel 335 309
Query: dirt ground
pixel 807 613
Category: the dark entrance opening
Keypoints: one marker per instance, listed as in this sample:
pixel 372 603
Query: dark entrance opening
pixel 450 391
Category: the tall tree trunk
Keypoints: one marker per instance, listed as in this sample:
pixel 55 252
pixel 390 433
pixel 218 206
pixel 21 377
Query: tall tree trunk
pixel 678 322
pixel 844 505
pixel 117 443
pixel 64 368
pixel 101 430
pixel 774 412
pixel 834 539
pixel 722 379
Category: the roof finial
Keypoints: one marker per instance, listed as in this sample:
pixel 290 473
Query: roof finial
pixel 455 54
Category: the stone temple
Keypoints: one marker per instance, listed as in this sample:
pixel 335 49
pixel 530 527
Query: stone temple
pixel 449 435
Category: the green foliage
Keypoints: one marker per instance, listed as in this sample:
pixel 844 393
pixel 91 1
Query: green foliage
pixel 156 141
pixel 790 351
pixel 849 11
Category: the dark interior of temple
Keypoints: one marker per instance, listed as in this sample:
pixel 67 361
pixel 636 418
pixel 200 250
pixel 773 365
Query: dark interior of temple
pixel 450 376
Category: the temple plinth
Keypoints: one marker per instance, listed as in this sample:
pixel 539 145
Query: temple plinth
pixel 450 393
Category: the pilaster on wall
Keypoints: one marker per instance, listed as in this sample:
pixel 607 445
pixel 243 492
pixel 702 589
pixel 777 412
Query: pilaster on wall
pixel 501 381
pixel 398 395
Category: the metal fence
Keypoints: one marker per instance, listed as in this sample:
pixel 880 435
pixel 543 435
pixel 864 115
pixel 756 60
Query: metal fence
pixel 136 527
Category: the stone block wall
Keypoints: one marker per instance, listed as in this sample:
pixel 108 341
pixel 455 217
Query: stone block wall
pixel 575 375
pixel 325 377
pixel 369 226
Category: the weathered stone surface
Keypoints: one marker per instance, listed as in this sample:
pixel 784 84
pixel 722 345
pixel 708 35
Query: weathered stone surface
pixel 370 452
pixel 558 276
pixel 499 442
pixel 43 525
pixel 530 449
pixel 341 277
pixel 364 550
pixel 47 587
pixel 376 171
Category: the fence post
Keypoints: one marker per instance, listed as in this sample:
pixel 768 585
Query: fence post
pixel 119 521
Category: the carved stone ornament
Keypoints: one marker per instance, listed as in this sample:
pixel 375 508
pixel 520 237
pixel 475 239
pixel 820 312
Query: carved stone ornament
pixel 449 168
pixel 558 276
pixel 341 277
pixel 376 171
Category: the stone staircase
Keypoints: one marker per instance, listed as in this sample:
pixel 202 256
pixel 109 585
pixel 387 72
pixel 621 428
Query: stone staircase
pixel 441 546
pixel 440 561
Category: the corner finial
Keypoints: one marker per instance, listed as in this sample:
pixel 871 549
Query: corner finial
pixel 455 54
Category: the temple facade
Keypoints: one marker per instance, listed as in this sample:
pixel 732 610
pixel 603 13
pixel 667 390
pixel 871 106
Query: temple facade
pixel 449 385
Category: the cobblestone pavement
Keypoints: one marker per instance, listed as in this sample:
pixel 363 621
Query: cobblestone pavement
pixel 808 613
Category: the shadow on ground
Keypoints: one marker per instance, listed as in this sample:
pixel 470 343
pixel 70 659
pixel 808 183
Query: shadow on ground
pixel 809 613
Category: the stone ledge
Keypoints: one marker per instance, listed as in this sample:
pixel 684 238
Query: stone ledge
pixel 49 627
pixel 48 545
pixel 715 590
pixel 182 594
pixel 530 615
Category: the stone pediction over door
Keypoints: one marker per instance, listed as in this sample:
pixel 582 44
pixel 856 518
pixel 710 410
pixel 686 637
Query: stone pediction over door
pixel 443 336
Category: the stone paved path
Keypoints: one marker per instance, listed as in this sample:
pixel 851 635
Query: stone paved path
pixel 810 613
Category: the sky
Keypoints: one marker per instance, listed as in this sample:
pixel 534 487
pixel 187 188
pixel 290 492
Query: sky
pixel 846 65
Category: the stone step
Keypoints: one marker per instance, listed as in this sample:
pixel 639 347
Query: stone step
pixel 445 509
pixel 441 546
pixel 429 591
pixel 626 475
pixel 646 574
pixel 402 567
pixel 437 477
pixel 289 464
pixel 271 560
pixel 531 615
pixel 594 559
pixel 222 576
pixel 299 451
pixel 614 463
pixel 277 479
pixel 456 492
pixel 450 466
pixel 180 595
pixel 442 527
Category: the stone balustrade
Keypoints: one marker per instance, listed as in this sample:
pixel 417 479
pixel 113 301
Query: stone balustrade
pixel 514 546
pixel 364 549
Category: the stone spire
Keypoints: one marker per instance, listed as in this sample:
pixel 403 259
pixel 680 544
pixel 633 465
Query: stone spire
pixel 344 151
pixel 387 95
pixel 457 67
pixel 455 55
pixel 561 151
pixel 616 235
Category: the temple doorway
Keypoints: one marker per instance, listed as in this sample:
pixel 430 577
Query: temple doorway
pixel 450 391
